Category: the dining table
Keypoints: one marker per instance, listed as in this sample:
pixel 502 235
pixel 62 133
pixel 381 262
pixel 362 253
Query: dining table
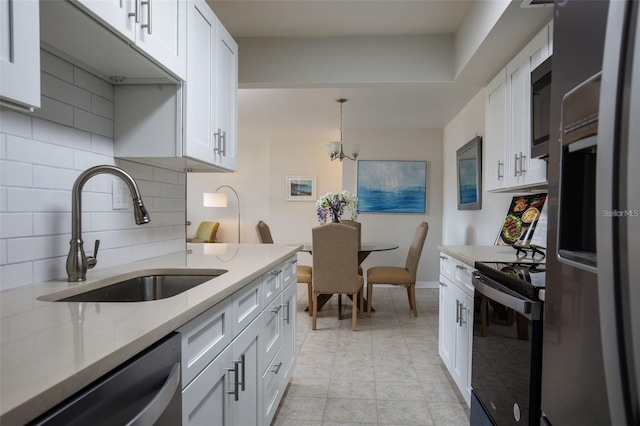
pixel 364 251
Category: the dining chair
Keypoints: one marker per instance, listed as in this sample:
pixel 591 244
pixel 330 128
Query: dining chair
pixel 335 268
pixel 304 273
pixel 206 232
pixel 358 226
pixel 397 275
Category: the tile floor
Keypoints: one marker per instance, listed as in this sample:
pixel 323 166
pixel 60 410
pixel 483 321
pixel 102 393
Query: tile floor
pixel 388 372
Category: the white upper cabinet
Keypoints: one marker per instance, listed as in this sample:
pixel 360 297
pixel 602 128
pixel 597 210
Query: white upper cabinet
pixel 495 132
pixel 20 54
pixel 192 127
pixel 227 99
pixel 155 27
pixel 508 162
pixel 211 89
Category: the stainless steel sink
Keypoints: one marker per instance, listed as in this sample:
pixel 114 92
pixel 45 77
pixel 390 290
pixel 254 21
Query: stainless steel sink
pixel 143 288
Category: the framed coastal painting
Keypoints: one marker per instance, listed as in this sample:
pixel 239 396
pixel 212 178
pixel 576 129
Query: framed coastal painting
pixel 301 188
pixel 389 186
pixel 469 170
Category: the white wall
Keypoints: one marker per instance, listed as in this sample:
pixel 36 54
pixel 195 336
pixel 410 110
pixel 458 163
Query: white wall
pixel 41 154
pixel 265 161
pixel 402 144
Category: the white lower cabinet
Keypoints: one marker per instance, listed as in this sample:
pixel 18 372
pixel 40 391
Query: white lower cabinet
pixel 456 321
pixel 239 355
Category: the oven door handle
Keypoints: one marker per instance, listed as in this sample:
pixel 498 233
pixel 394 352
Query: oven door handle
pixel 494 291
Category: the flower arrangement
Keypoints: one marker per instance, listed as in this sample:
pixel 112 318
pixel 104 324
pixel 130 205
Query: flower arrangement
pixel 333 204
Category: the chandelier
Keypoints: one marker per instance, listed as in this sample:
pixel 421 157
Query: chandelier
pixel 335 148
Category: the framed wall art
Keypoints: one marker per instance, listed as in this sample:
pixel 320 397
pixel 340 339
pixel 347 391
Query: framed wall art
pixel 469 172
pixel 389 186
pixel 300 188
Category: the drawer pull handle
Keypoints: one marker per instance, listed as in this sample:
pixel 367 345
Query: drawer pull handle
pixel 462 268
pixel 444 257
pixel 442 284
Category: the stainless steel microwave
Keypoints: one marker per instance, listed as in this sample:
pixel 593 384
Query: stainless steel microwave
pixel 540 109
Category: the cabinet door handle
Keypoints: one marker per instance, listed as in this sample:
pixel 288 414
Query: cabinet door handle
pixel 148 24
pixel 276 368
pixel 276 272
pixel 136 13
pixel 457 312
pixel 276 309
pixel 287 319
pixel 515 165
pixel 443 257
pixel 523 159
pixel 244 369
pixel 217 141
pixel 236 383
pixel 442 284
pixel 462 321
pixel 500 167
pixel 224 143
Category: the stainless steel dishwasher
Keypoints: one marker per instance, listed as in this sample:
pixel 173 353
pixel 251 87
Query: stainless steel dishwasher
pixel 145 390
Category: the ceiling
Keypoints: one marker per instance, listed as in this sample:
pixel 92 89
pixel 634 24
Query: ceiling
pixel 300 111
pixel 304 18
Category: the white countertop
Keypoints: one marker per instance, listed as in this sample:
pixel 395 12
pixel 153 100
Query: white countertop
pixel 50 350
pixel 472 254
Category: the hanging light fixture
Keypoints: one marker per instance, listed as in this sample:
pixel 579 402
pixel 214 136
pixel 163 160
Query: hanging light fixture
pixel 335 148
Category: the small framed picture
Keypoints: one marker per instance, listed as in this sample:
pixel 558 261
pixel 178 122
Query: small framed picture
pixel 301 188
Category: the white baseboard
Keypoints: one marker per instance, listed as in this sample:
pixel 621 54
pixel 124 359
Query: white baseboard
pixel 427 284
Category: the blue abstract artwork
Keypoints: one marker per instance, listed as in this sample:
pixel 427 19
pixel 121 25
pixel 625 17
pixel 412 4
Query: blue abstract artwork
pixel 392 186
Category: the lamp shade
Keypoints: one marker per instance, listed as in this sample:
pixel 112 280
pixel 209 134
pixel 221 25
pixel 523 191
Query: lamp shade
pixel 214 199
pixel 333 148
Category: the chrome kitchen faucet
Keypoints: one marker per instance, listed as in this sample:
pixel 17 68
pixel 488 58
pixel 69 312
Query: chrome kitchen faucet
pixel 77 260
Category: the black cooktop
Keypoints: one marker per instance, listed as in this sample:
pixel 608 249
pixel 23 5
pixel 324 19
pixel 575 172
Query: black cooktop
pixel 524 278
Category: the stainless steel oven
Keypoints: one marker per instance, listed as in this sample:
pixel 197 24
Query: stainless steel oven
pixel 507 344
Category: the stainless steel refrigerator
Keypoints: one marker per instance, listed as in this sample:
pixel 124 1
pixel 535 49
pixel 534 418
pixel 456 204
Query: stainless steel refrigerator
pixel 591 344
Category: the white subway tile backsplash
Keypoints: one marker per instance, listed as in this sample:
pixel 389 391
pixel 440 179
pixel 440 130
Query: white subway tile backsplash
pixel 35 248
pixel 3 199
pixel 102 106
pixel 93 123
pixel 47 131
pixel 52 223
pixel 55 66
pixel 93 84
pixel 35 152
pixel 173 191
pixel 15 123
pixel 13 173
pixel 173 219
pixel 82 160
pixel 150 189
pixel 63 91
pixel 102 145
pixel 169 204
pixel 37 200
pixel 14 225
pixel 16 275
pixel 3 146
pixel 137 170
pixel 41 156
pixel 164 175
pixel 55 111
pixel 3 252
pixel 48 269
pixel 47 177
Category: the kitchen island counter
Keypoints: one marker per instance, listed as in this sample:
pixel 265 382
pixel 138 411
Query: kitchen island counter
pixel 50 350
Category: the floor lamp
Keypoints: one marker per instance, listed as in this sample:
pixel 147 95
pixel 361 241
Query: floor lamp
pixel 219 199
